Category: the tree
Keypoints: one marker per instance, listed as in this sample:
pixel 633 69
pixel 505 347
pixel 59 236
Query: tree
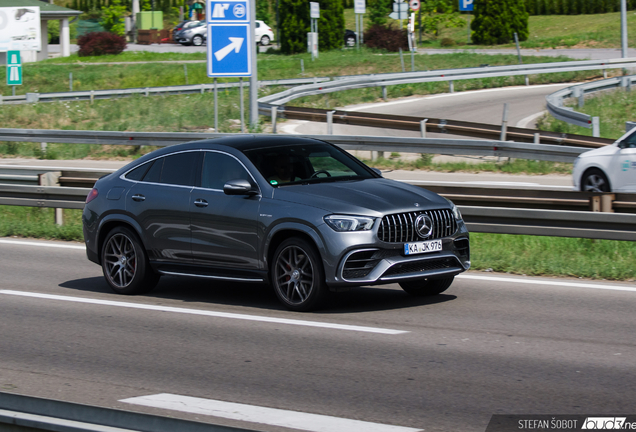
pixel 378 11
pixel 112 18
pixel 294 25
pixel 439 14
pixel 331 26
pixel 496 21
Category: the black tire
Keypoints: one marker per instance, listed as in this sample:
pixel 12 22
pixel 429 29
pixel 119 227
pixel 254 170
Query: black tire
pixel 125 263
pixel 427 287
pixel 297 275
pixel 594 180
pixel 265 40
pixel 197 40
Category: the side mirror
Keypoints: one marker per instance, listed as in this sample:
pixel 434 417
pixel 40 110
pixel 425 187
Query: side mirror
pixel 377 171
pixel 239 187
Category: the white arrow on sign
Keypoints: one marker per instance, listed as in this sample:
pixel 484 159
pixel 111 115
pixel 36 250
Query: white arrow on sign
pixel 235 44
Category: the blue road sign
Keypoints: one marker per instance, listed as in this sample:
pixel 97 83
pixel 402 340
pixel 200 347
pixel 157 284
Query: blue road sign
pixel 229 49
pixel 466 5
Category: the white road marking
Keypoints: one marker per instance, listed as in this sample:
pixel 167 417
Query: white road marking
pixel 524 122
pixel 263 415
pixel 548 282
pixel 42 244
pixel 214 314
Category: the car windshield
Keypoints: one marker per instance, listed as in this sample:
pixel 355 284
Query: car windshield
pixel 306 163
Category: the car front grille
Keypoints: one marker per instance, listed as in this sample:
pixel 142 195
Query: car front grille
pixel 400 227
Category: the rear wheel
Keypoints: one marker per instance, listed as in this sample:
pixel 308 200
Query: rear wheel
pixel 265 40
pixel 125 263
pixel 297 275
pixel 350 41
pixel 427 287
pixel 197 40
pixel 595 181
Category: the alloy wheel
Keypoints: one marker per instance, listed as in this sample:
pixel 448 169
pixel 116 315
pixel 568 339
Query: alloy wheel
pixel 294 275
pixel 120 260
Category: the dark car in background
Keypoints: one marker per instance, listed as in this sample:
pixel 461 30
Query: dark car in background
pixel 297 213
pixel 350 38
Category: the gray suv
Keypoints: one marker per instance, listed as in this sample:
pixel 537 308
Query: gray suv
pixel 299 214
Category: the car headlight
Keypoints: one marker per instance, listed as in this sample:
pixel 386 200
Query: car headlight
pixel 343 223
pixel 455 210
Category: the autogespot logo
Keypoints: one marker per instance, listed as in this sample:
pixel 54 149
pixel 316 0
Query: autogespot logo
pixel 607 423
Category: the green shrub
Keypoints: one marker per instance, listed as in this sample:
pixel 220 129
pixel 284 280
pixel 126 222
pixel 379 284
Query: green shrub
pixel 496 22
pixel 447 42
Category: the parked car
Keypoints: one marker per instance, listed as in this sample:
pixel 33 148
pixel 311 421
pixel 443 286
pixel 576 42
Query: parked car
pixel 608 169
pixel 263 33
pixel 350 38
pixel 192 33
pixel 298 213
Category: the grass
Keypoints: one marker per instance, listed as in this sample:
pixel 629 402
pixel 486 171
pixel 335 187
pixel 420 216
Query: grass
pixel 614 108
pixel 512 166
pixel 554 256
pixel 552 31
pixel 529 255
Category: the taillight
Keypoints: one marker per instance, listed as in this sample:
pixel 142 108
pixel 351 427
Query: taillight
pixel 91 195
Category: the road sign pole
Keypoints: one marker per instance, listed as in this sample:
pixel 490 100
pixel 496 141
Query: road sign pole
pixel 254 77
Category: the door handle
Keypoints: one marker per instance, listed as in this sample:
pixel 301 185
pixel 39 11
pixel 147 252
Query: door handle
pixel 138 198
pixel 200 203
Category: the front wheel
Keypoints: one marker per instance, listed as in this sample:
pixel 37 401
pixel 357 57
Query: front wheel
pixel 197 40
pixel 297 275
pixel 265 40
pixel 350 41
pixel 125 264
pixel 427 287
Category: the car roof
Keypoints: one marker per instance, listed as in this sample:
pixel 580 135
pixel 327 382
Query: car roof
pixel 246 142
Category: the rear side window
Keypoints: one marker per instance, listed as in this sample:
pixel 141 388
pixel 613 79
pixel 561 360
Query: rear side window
pixel 154 173
pixel 138 173
pixel 179 169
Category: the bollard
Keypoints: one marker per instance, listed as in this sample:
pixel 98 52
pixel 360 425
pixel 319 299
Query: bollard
pixel 92 96
pixel 384 95
pixel 423 128
pixel 451 87
pixel 402 60
pixel 43 148
pixel 202 88
pixel 302 67
pixel 537 138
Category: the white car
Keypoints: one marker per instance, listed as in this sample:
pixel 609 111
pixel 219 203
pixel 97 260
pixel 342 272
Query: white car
pixel 608 169
pixel 264 34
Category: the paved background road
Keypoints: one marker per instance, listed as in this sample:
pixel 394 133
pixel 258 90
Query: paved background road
pixel 489 345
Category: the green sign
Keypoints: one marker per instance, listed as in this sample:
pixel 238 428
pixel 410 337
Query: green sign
pixel 14 68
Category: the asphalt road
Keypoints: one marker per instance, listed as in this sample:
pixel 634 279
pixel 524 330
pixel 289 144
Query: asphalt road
pixel 492 344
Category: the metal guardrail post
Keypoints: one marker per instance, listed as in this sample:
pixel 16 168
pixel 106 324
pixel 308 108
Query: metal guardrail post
pixel 423 128
pixel 504 123
pixel 384 95
pixel 274 112
pixel 596 127
pixel 330 122
pixel 451 87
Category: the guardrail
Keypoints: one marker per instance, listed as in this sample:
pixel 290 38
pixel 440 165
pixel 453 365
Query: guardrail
pixel 450 75
pixel 29 414
pixel 547 152
pixel 555 218
pixel 435 125
pixel 555 100
pixel 147 91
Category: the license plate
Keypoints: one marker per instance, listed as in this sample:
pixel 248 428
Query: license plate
pixel 422 247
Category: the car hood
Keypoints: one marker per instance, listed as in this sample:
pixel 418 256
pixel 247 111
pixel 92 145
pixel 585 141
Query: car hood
pixel 601 151
pixel 370 197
